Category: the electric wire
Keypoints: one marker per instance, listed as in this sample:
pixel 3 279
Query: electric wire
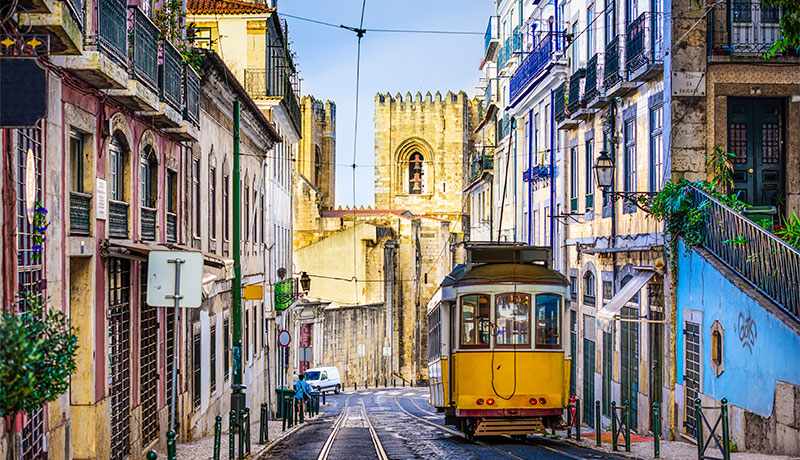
pixel 393 31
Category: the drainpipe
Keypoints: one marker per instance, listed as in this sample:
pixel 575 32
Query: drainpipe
pixel 530 165
pixel 553 147
pixel 237 395
pixel 514 140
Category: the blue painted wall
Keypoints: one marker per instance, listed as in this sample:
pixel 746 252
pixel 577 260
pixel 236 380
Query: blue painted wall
pixel 759 348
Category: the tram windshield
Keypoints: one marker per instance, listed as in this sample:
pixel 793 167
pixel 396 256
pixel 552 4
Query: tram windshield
pixel 548 321
pixel 513 318
pixel 475 320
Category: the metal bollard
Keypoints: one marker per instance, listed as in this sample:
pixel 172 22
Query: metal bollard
pixel 614 425
pixel 301 410
pixel 240 425
pixel 577 419
pixel 404 383
pixel 323 398
pixel 376 382
pixel 284 413
pixel 656 430
pixel 170 445
pixel 385 382
pixel 217 436
pixel 232 435
pixel 412 382
pixel 726 440
pixel 355 386
pixel 597 429
pixel 263 434
pixel 366 384
pixel 698 421
pixel 247 432
pixel 152 455
pixel 627 426
pixel 394 383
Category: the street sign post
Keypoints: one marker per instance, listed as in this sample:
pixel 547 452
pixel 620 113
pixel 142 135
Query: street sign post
pixel 284 338
pixel 172 277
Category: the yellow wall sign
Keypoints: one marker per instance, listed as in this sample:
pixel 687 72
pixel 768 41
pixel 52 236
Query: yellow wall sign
pixel 253 292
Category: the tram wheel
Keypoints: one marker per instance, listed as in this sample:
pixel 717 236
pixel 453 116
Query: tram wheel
pixel 468 427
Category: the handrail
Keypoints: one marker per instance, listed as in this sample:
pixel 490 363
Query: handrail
pixel 768 263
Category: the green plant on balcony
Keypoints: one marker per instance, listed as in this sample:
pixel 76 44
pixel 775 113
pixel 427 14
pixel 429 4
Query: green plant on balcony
pixel 790 230
pixel 171 22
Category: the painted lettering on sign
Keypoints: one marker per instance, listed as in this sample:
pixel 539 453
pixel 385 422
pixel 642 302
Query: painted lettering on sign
pixel 748 332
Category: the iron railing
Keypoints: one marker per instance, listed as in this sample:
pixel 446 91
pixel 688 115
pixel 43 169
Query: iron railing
pixel 505 54
pixel 481 161
pixel 255 83
pixel 743 27
pixel 170 75
pixel 643 42
pixel 516 40
pixel 143 49
pixel 594 77
pixel 111 28
pixel 613 71
pixel 575 100
pixel 534 65
pixel 172 227
pixel 76 9
pixel 148 223
pixel 488 95
pixel 768 263
pixel 290 99
pixel 491 33
pixel 191 95
pixel 560 103
pixel 80 212
pixel 117 219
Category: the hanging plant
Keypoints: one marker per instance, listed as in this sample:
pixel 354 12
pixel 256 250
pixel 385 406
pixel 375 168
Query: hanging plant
pixel 40 226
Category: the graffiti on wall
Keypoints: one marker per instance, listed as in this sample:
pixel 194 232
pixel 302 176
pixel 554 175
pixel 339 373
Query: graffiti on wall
pixel 748 332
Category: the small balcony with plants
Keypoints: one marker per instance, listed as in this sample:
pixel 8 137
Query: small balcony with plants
pixel 535 66
pixel 644 47
pixel 481 161
pixel 274 85
pixel 491 39
pixel 560 105
pixel 594 94
pixel 63 21
pixel 744 30
pixel 141 91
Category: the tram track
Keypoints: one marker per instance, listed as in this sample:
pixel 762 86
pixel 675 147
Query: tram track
pixel 342 421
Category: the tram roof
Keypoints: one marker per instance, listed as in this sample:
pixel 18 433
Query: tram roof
pixel 503 273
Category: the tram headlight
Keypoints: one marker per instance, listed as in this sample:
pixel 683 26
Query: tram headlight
pixel 542 401
pixel 532 401
pixel 479 401
pixel 490 401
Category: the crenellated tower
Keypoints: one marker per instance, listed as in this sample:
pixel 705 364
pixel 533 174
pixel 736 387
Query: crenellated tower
pixel 316 157
pixel 420 146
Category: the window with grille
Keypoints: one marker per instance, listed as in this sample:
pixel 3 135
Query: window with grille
pixel 213 360
pixel 691 377
pixel 119 361
pixel 148 363
pixel 196 388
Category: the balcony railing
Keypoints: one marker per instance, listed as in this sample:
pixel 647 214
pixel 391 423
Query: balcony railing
pixel 148 223
pixel 191 95
pixel 80 212
pixel 111 28
pixel 172 227
pixel 256 85
pixel 613 71
pixel 76 9
pixel 480 162
pixel 536 173
pixel 143 51
pixel 516 40
pixel 491 37
pixel 576 90
pixel 532 67
pixel 643 44
pixel 743 27
pixel 488 95
pixel 505 54
pixel 765 261
pixel 560 103
pixel 594 77
pixel 117 219
pixel 171 75
pixel 290 99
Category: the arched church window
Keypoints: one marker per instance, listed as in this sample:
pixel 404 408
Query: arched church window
pixel 317 166
pixel 415 173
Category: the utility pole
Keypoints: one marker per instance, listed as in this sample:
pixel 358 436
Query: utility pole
pixel 237 393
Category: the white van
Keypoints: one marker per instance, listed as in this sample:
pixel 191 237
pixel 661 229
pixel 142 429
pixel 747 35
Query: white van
pixel 324 379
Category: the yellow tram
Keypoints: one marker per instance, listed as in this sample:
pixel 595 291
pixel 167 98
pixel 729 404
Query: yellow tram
pixel 498 357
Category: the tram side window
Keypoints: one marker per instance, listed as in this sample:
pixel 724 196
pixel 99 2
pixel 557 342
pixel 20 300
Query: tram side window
pixel 513 318
pixel 475 320
pixel 548 321
pixel 434 335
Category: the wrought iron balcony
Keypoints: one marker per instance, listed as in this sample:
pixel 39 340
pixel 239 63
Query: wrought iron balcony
pixel 117 219
pixel 560 103
pixel 261 84
pixel 77 11
pixel 503 127
pixel 743 27
pixel 290 99
pixel 191 95
pixel 148 223
pixel 536 173
pixel 488 95
pixel 594 77
pixel 491 38
pixel 505 54
pixel 111 28
pixel 172 227
pixel 481 161
pixel 533 66
pixel 170 74
pixel 643 44
pixel 80 213
pixel 613 73
pixel 516 40
pixel 143 49
pixel 576 82
pixel 768 263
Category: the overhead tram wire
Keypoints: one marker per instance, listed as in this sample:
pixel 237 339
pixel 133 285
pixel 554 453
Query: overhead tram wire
pixel 360 34
pixel 363 31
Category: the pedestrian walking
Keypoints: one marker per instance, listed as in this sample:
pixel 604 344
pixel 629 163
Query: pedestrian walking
pixel 302 392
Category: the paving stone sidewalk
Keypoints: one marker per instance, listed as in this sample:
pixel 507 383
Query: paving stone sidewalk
pixel 642 448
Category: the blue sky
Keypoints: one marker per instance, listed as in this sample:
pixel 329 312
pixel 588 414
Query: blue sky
pixel 390 62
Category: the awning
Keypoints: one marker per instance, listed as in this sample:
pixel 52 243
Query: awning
pixel 210 260
pixel 606 314
pixel 125 249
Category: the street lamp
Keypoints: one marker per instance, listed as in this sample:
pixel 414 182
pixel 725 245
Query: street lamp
pixel 305 282
pixel 604 170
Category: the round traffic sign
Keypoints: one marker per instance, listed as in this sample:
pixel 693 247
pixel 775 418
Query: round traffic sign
pixel 284 338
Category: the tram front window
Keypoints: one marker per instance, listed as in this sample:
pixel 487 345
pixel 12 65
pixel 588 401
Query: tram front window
pixel 475 320
pixel 513 318
pixel 548 321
